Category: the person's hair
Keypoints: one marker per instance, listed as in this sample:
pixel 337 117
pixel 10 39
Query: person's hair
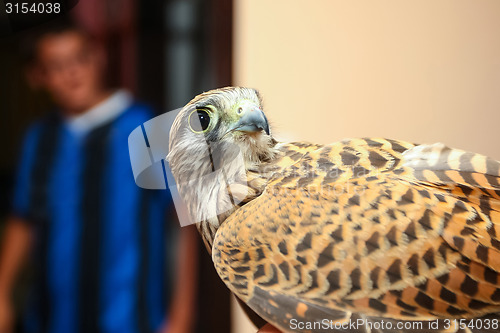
pixel 29 43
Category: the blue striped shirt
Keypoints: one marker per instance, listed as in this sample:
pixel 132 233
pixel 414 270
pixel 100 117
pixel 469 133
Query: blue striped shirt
pixel 100 251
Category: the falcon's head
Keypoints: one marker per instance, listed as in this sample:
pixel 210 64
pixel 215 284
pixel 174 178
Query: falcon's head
pixel 205 136
pixel 218 119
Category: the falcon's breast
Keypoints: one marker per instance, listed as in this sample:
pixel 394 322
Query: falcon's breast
pixel 367 228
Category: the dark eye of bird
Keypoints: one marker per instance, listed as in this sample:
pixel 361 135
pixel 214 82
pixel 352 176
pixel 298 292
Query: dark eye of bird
pixel 200 123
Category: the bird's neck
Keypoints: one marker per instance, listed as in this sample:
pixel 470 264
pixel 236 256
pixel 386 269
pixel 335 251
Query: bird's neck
pixel 231 177
pixel 212 198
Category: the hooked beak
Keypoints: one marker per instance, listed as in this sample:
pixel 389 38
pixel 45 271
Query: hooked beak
pixel 252 120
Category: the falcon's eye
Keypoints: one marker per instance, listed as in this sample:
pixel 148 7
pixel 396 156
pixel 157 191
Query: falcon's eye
pixel 199 120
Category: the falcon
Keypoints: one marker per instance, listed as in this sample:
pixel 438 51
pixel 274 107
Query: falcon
pixel 359 235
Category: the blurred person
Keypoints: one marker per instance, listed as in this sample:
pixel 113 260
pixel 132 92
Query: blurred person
pixel 97 238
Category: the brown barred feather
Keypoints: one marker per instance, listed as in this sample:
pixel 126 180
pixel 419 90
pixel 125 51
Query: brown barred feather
pixel 372 230
pixel 382 228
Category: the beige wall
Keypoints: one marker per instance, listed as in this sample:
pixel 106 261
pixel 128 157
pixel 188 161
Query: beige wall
pixel 421 70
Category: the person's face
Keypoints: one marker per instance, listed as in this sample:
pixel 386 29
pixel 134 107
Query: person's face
pixel 70 70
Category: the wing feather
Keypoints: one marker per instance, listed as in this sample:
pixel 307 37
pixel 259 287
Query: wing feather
pixel 381 228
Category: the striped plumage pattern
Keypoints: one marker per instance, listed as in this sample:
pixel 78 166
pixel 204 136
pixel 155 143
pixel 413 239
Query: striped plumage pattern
pixel 379 227
pixel 366 228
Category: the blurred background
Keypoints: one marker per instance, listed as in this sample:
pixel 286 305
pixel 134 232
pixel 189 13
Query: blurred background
pixel 422 71
pixel 164 52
